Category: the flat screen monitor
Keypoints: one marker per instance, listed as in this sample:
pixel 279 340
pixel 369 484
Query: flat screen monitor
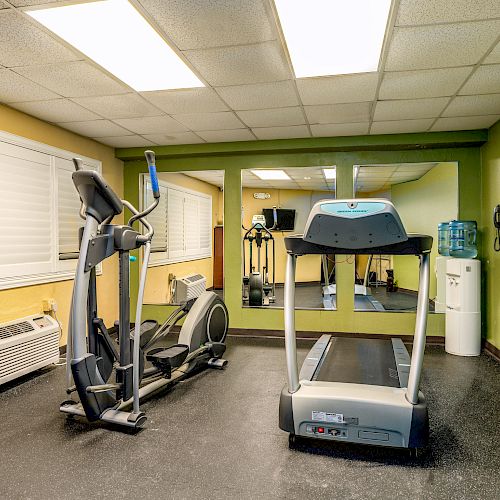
pixel 285 218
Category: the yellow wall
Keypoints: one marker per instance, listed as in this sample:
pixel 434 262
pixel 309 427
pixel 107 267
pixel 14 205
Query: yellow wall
pixel 422 205
pixel 24 301
pixel 490 162
pixel 308 266
pixel 157 284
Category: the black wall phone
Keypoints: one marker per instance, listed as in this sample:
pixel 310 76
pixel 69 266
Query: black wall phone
pixel 496 223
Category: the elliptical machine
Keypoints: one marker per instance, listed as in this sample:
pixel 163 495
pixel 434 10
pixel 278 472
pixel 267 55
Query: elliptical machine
pixel 257 289
pixel 110 376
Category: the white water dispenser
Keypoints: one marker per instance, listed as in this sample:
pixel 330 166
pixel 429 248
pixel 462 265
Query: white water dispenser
pixel 463 307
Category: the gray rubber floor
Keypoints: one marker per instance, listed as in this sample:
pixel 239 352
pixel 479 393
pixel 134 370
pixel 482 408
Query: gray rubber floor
pixel 216 437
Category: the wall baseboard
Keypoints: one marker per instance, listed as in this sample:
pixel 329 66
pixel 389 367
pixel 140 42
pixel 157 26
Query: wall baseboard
pixel 309 335
pixel 491 350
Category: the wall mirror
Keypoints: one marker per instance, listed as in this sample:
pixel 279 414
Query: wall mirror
pixel 276 203
pixel 187 247
pixel 424 195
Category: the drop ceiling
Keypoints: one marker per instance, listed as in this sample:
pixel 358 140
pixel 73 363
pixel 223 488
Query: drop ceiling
pixel 369 178
pixel 373 178
pixel 439 70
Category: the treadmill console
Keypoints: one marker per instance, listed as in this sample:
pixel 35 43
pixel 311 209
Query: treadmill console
pixel 355 224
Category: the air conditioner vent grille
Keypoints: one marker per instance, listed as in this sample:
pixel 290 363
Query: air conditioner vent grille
pixel 16 329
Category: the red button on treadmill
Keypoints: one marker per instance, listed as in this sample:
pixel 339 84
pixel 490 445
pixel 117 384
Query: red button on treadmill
pixel 321 430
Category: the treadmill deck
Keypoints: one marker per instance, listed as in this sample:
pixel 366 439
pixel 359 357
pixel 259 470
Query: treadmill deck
pixel 359 361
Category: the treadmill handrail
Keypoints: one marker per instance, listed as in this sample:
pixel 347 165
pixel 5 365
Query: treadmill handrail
pixel 417 357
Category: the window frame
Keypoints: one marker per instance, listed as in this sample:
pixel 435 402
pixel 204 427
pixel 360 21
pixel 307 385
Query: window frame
pixel 62 269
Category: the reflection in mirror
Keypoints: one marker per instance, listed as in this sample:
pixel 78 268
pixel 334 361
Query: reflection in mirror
pixel 276 203
pixel 187 247
pixel 424 194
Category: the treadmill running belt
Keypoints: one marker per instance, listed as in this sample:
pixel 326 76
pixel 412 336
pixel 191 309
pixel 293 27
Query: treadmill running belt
pixel 359 361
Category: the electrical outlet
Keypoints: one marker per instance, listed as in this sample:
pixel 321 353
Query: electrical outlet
pixel 49 305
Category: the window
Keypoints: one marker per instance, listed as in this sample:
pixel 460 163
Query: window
pixel 39 212
pixel 182 224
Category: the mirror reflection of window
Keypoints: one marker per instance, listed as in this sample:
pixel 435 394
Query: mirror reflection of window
pixel 276 203
pixel 187 249
pixel 424 194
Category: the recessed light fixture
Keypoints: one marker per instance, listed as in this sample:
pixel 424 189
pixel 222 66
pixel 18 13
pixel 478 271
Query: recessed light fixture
pixel 333 37
pixel 307 178
pixel 117 37
pixel 330 174
pixel 271 175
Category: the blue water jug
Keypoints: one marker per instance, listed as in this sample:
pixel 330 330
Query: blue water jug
pixel 463 239
pixel 444 238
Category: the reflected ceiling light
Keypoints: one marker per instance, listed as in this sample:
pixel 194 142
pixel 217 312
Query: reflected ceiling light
pixel 333 37
pixel 330 173
pixel 307 178
pixel 118 38
pixel 271 175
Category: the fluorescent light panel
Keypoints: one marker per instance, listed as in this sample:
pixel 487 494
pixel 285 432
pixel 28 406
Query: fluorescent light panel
pixel 118 38
pixel 333 37
pixel 330 173
pixel 271 175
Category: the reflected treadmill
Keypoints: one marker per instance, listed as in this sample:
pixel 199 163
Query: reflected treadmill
pixel 355 389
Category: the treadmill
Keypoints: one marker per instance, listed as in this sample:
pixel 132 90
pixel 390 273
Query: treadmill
pixel 355 389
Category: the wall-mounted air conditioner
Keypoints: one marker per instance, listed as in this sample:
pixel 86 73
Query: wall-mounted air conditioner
pixel 27 344
pixel 189 287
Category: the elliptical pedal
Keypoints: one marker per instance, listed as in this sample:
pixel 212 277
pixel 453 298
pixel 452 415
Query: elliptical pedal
pixel 168 359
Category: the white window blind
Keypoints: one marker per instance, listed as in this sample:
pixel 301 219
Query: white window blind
pixel 26 220
pixel 158 218
pixel 183 220
pixel 39 209
pixel 68 208
pixel 175 222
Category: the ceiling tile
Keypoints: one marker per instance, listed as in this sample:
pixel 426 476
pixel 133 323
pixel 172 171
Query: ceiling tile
pixel 411 12
pixel 197 100
pixel 282 132
pixel 23 43
pixel 474 105
pixel 423 83
pixel 410 108
pixel 3 5
pixel 241 134
pixel 339 129
pixel 174 138
pixel 125 141
pixel 56 110
pixel 225 120
pixel 338 89
pixel 15 88
pixel 465 122
pixel 272 117
pixel 401 126
pixel 151 125
pixel 339 113
pixel 260 95
pixel 494 55
pixel 27 3
pixel 440 46
pixel 96 128
pixel 263 62
pixel 485 80
pixel 73 79
pixel 198 25
pixel 119 106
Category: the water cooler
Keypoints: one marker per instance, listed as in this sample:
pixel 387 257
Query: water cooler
pixel 463 307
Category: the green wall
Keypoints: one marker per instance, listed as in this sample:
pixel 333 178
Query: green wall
pixel 422 205
pixel 344 152
pixel 490 197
